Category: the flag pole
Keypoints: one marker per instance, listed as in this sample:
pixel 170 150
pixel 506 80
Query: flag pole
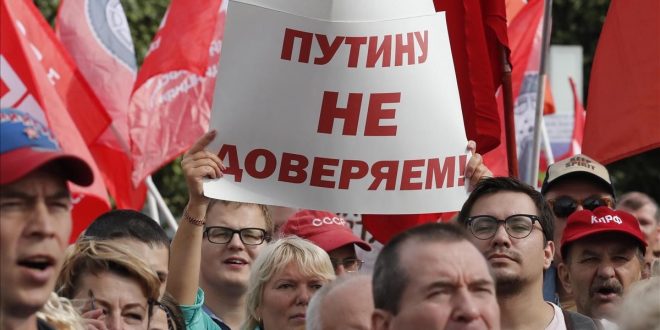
pixel 509 122
pixel 545 43
pixel 161 203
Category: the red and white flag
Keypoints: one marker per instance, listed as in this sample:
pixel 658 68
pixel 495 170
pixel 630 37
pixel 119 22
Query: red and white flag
pixel 97 36
pixel 623 108
pixel 171 103
pixel 38 77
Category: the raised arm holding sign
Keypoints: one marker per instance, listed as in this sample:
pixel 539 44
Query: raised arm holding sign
pixel 358 116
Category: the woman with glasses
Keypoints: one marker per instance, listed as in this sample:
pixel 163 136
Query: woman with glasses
pixel 285 276
pixel 108 286
pixel 214 249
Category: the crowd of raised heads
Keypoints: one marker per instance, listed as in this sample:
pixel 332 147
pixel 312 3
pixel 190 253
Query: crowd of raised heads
pixel 570 256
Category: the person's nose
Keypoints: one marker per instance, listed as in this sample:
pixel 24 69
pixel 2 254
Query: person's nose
pixel 501 236
pixel 235 242
pixel 41 222
pixel 464 306
pixel 303 296
pixel 606 270
pixel 340 270
pixel 113 321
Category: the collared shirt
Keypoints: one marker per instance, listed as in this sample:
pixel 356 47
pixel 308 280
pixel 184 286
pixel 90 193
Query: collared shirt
pixel 215 318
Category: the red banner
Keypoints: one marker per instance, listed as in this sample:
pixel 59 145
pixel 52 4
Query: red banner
pixel 171 103
pixel 477 29
pixel 623 108
pixel 34 69
pixel 97 36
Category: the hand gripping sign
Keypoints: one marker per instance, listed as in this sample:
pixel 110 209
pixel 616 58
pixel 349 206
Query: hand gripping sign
pixel 357 116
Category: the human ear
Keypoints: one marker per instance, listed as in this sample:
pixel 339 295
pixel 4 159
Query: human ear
pixel 380 319
pixel 565 277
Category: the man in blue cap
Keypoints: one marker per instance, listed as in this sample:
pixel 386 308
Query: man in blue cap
pixel 35 215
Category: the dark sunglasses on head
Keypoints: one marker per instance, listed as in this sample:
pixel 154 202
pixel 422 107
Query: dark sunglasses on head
pixel 563 206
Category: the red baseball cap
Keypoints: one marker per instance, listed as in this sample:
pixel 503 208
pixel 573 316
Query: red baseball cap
pixel 323 228
pixel 26 144
pixel 601 220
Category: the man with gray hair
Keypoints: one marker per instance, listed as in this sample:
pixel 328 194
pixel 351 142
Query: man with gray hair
pixel 346 303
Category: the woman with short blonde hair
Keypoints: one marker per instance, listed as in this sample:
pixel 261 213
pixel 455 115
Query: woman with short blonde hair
pixel 108 285
pixel 284 276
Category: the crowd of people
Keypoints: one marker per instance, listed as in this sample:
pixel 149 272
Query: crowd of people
pixel 572 256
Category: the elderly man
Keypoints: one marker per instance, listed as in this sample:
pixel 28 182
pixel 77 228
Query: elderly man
pixel 346 303
pixel 432 277
pixel 511 224
pixel 35 215
pixel 570 185
pixel 647 212
pixel 603 254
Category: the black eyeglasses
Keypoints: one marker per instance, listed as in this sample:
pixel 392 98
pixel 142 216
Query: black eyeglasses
pixel 350 264
pixel 516 226
pixel 563 206
pixel 249 236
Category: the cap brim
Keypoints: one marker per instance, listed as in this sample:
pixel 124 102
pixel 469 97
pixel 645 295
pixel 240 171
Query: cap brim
pixel 331 240
pixel 572 239
pixel 572 174
pixel 17 163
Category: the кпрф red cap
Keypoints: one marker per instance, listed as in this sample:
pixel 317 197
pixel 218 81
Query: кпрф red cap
pixel 601 220
pixel 325 229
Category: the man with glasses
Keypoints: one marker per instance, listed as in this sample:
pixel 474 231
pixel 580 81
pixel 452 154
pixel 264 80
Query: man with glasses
pixel 214 248
pixel 570 185
pixel 330 232
pixel 512 226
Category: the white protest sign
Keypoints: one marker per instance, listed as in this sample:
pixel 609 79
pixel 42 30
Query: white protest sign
pixel 357 116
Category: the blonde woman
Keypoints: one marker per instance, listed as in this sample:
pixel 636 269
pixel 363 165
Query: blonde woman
pixel 109 287
pixel 284 277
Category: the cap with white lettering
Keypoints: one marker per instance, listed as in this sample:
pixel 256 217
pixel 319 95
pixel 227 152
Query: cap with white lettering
pixel 577 165
pixel 325 229
pixel 603 219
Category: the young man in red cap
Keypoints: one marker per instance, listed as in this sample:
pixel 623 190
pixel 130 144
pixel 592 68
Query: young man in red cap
pixel 603 254
pixel 35 215
pixel 331 233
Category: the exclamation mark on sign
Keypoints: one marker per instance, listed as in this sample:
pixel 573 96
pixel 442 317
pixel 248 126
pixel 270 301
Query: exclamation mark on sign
pixel 462 162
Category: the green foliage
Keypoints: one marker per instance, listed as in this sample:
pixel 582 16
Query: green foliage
pixel 579 22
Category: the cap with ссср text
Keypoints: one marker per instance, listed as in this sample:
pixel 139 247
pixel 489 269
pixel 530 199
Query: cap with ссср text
pixel 325 229
pixel 603 219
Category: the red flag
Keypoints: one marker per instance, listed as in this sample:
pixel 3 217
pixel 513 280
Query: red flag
pixel 30 71
pixel 623 108
pixel 578 125
pixel 96 34
pixel 172 98
pixel 477 30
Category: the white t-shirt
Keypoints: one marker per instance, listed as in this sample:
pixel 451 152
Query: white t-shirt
pixel 557 322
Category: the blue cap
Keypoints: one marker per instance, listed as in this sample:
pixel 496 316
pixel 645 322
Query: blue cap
pixel 26 144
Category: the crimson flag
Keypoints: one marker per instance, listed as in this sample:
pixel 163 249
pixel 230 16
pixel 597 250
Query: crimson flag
pixel 578 125
pixel 477 30
pixel 171 102
pixel 34 70
pixel 623 107
pixel 97 36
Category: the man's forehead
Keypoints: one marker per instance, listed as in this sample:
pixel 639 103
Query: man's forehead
pixel 605 243
pixel 578 187
pixel 443 260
